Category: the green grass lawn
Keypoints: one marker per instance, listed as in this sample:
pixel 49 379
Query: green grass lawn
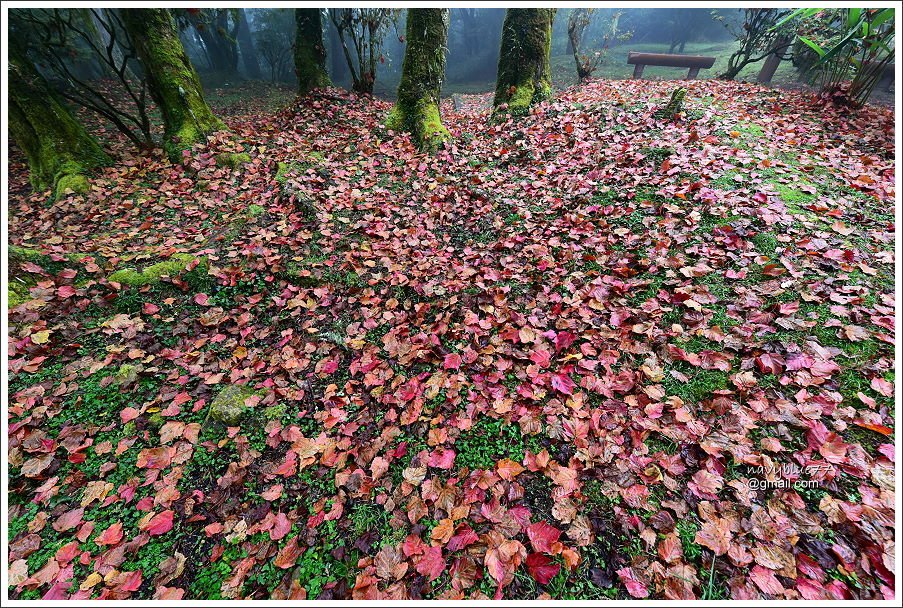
pixel 615 66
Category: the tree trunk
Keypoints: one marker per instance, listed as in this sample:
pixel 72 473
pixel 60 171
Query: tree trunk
pixel 310 52
pixel 774 60
pixel 246 46
pixel 524 73
pixel 172 80
pixel 417 109
pixel 58 148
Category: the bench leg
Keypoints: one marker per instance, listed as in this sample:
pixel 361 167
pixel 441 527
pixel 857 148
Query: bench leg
pixel 638 71
pixel 693 73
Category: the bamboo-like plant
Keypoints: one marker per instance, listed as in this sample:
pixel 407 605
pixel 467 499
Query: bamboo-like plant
pixel 860 54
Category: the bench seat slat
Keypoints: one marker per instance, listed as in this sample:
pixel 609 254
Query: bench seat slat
pixel 670 60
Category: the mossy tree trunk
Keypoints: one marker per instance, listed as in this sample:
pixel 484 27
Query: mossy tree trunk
pixel 524 75
pixel 310 52
pixel 417 109
pixel 60 151
pixel 172 80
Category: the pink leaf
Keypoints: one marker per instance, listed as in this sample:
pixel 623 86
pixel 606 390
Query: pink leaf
pixel 452 361
pixel 160 523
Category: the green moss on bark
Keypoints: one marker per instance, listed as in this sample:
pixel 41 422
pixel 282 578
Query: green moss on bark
pixel 310 53
pixel 417 109
pixel 172 80
pixel 59 150
pixel 524 74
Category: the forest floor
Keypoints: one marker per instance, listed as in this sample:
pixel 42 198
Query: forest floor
pixel 593 353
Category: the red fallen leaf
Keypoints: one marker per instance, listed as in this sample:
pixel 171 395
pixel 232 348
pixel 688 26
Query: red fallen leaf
pixel 463 537
pixel 281 527
pixel 68 552
pixel 635 586
pixel 542 568
pixel 542 536
pixel 770 363
pixel 150 308
pixel 670 548
pixel 431 563
pixel 878 428
pixel 766 581
pixel 169 593
pixel 154 458
pixel 810 589
pixel 706 485
pixel 65 291
pixel 882 386
pixel 716 535
pixel 273 492
pixel 111 536
pixel 773 270
pixel 508 469
pixel 442 458
pixel 563 339
pixel 128 414
pixel 503 560
pixel 213 529
pixel 201 299
pixel 452 361
pixel 834 449
pixel 68 520
pixel 161 523
pixel 541 357
pixel 563 384
pixel 130 581
pixel 288 556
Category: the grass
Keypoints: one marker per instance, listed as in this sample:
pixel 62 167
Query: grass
pixel 490 440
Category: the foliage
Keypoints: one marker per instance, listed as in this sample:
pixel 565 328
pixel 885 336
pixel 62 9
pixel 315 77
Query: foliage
pixel 761 33
pixel 366 28
pixel 858 45
pixel 274 31
pixel 588 60
pixel 54 37
pixel 547 360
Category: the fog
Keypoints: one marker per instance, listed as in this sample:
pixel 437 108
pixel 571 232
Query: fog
pixel 473 44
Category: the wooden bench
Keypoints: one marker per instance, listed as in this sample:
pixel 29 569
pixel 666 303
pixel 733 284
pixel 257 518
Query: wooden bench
pixel 693 62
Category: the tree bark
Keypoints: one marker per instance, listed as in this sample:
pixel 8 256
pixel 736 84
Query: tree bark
pixel 172 80
pixel 774 60
pixel 59 150
pixel 310 52
pixel 417 109
pixel 246 46
pixel 524 75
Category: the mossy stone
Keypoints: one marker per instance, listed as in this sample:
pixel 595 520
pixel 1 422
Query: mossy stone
pixel 153 273
pixel 126 374
pixel 229 404
pixel 233 160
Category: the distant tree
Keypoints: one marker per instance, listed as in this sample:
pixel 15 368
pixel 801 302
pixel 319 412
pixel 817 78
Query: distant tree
pixel 524 75
pixel 173 82
pixel 417 109
pixel 274 38
pixel 588 60
pixel 53 36
pixel 681 27
pixel 218 30
pixel 310 52
pixel 366 28
pixel 246 45
pixel 59 150
pixel 758 37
